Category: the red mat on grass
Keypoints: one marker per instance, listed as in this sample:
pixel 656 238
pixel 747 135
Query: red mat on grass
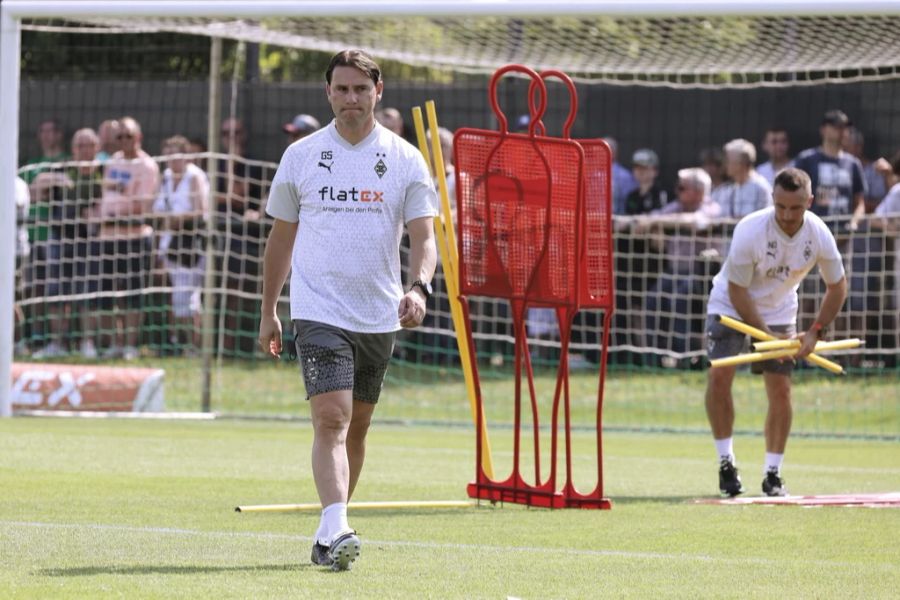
pixel 885 500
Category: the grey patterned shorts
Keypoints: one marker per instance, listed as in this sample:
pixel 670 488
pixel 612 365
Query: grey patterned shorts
pixel 722 342
pixel 334 359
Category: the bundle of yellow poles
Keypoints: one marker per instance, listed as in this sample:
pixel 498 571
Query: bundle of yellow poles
pixel 773 348
pixel 446 238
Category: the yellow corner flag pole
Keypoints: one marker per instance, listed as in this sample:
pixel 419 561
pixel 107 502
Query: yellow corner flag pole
pixel 443 226
pixel 762 335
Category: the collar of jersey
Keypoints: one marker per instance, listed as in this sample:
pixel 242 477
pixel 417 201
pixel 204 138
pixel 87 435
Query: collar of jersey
pixel 373 135
pixel 780 232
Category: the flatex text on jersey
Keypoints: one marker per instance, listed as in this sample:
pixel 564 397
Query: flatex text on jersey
pixel 329 193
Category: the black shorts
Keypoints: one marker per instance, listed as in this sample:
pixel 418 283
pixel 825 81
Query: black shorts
pixel 333 359
pixel 723 341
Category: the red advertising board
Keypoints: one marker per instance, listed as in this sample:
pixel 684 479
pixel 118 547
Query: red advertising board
pixel 86 388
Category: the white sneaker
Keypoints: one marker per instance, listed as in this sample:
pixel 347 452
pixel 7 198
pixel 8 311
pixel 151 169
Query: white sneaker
pixel 88 350
pixel 130 353
pixel 51 350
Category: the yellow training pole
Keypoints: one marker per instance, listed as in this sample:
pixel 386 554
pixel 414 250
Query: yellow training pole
pixel 453 286
pixel 443 225
pixel 762 335
pixel 847 344
pixel 742 359
pixel 315 506
pixel 438 154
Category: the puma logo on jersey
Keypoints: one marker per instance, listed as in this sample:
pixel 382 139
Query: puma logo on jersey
pixel 324 166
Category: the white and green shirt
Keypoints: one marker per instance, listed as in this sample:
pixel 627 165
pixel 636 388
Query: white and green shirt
pixel 771 265
pixel 351 202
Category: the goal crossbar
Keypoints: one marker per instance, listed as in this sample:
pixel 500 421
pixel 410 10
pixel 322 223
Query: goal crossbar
pixel 57 9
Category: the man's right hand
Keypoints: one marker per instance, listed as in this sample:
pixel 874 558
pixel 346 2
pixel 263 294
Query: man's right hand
pixel 270 335
pixel 808 341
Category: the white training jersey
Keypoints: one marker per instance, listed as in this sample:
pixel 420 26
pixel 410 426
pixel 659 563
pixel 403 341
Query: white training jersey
pixel 352 202
pixel 778 263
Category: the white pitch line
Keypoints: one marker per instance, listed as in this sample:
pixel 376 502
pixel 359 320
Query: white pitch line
pixel 103 414
pixel 446 546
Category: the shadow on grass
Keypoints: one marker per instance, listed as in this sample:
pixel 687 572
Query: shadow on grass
pixel 166 569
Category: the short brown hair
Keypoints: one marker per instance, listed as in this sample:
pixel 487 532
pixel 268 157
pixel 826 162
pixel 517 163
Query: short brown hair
pixel 131 123
pixel 357 59
pixel 793 179
pixel 179 142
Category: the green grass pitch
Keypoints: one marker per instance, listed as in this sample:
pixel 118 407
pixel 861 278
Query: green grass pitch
pixel 144 509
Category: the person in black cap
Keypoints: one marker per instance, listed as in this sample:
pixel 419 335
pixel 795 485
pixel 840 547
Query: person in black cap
pixel 637 261
pixel 301 126
pixel 648 195
pixel 838 183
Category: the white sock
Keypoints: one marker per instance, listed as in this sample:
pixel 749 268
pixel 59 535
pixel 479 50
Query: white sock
pixel 725 448
pixel 322 531
pixel 335 518
pixel 773 462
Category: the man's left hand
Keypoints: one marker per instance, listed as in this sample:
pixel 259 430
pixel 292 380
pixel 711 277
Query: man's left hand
pixel 412 310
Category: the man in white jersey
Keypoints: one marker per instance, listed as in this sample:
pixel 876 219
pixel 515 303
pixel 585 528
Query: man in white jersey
pixel 339 201
pixel 771 252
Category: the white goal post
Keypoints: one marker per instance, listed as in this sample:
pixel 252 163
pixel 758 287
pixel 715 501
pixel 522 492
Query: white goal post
pixel 206 12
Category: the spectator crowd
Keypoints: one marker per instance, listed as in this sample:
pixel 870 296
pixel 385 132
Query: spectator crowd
pixel 108 234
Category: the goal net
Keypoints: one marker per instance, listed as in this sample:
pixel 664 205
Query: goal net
pixel 681 85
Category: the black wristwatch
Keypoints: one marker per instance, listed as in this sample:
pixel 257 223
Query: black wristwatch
pixel 422 285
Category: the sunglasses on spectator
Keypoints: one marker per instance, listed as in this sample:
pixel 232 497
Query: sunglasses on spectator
pixel 125 136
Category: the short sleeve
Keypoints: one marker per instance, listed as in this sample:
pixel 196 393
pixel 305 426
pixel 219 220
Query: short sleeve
pixel 421 198
pixel 741 275
pixel 741 256
pixel 742 245
pixel 284 198
pixel 829 262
